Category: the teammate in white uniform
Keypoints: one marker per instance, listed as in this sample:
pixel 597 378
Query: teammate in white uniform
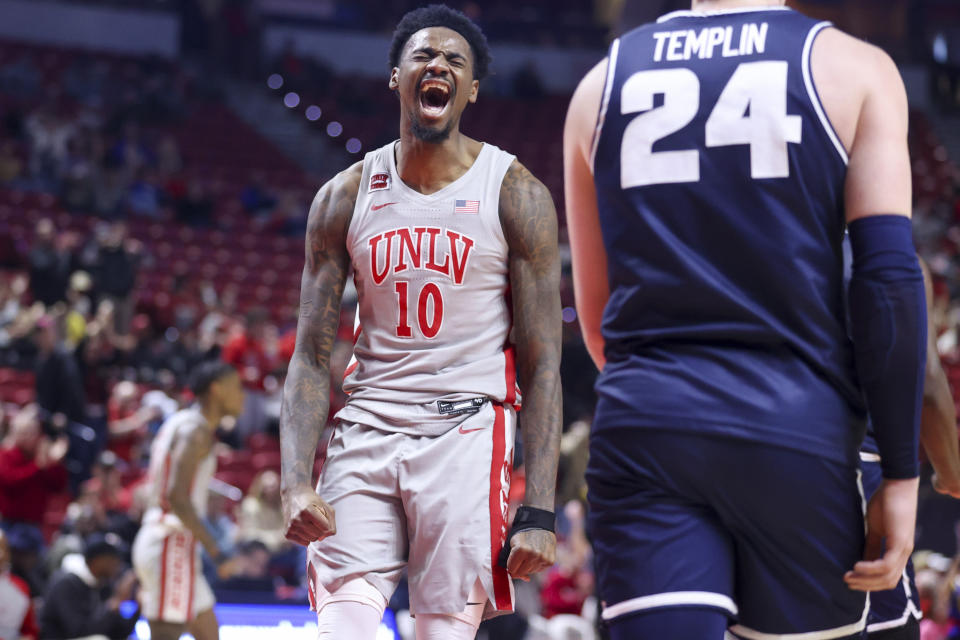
pixel 166 554
pixel 453 244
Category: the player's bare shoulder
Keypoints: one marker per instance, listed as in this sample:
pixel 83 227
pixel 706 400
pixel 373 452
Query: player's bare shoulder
pixel 194 436
pixel 332 209
pixel 848 72
pixel 527 212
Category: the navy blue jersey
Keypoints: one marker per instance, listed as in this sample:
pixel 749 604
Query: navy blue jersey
pixel 720 194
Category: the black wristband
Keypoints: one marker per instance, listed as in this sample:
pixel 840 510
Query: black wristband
pixel 526 518
pixel 220 558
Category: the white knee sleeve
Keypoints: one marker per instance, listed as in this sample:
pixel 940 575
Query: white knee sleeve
pixel 440 626
pixel 352 611
pixel 454 626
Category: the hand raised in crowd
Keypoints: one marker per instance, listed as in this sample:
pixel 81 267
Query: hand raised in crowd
pixel 51 452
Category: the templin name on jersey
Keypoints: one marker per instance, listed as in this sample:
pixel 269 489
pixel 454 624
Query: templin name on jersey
pixel 676 46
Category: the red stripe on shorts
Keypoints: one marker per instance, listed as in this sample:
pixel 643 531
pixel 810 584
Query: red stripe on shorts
pixel 510 375
pixel 192 583
pixel 163 576
pixel 498 526
pixel 350 369
pixel 312 585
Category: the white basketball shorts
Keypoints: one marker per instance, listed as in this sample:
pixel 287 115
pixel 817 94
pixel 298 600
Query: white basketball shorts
pixel 436 505
pixel 168 566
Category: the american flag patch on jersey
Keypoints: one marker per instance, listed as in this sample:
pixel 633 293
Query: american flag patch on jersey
pixel 466 206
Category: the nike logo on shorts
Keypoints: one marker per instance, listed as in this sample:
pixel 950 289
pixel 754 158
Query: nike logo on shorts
pixel 462 430
pixel 377 207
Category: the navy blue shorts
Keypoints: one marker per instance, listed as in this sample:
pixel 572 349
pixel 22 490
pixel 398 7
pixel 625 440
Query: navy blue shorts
pixel 762 533
pixel 895 607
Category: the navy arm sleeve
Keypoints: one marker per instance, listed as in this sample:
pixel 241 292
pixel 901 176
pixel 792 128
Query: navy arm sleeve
pixel 888 324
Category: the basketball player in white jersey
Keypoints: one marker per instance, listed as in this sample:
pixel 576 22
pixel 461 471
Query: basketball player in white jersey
pixel 453 244
pixel 166 555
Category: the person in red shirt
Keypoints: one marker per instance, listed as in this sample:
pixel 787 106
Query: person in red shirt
pixel 128 422
pixel 18 620
pixel 253 354
pixel 247 351
pixel 30 469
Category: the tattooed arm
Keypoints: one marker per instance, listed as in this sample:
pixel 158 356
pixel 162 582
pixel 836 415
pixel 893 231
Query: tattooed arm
pixel 306 392
pixel 938 417
pixel 529 222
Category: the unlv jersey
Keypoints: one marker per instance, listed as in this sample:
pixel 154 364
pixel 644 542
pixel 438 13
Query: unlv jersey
pixel 720 193
pixel 161 454
pixel 431 339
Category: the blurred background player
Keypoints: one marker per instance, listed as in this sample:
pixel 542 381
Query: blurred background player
pixel 895 613
pixel 166 553
pixel 17 616
pixel 711 164
pixel 445 235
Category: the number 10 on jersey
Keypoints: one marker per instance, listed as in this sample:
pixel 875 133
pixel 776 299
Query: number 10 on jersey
pixel 429 310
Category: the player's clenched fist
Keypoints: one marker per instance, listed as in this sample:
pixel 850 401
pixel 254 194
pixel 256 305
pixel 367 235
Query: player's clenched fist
pixel 531 551
pixel 306 517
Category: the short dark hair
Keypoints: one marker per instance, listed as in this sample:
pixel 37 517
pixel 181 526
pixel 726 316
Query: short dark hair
pixel 208 372
pixel 440 15
pixel 103 544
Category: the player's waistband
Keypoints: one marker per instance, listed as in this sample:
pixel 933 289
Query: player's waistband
pixel 156 516
pixel 462 407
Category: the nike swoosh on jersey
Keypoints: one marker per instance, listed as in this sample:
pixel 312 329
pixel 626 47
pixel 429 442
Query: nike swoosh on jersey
pixel 377 207
pixel 462 430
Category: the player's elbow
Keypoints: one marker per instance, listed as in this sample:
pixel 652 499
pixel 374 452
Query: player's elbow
pixel 595 347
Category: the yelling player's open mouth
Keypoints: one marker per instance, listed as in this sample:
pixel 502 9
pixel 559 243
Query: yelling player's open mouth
pixel 434 97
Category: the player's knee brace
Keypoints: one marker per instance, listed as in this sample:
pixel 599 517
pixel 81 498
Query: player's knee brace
pixel 454 626
pixel 352 611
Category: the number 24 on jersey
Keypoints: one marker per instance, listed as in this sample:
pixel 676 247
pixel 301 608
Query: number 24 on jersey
pixel 751 110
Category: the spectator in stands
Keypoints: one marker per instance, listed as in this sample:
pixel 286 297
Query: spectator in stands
pixel 143 196
pixel 169 160
pixel 260 515
pixel 49 136
pixel 251 568
pixel 527 83
pixel 195 208
pixel 30 468
pixel 220 523
pixel 26 544
pixel 75 605
pixel 79 523
pixel 115 272
pixel 59 383
pixel 568 584
pixel 17 618
pixel 255 197
pixel 16 319
pixel 130 151
pixel 248 353
pixel 81 170
pixel 49 265
pixel 128 422
pixel 289 218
